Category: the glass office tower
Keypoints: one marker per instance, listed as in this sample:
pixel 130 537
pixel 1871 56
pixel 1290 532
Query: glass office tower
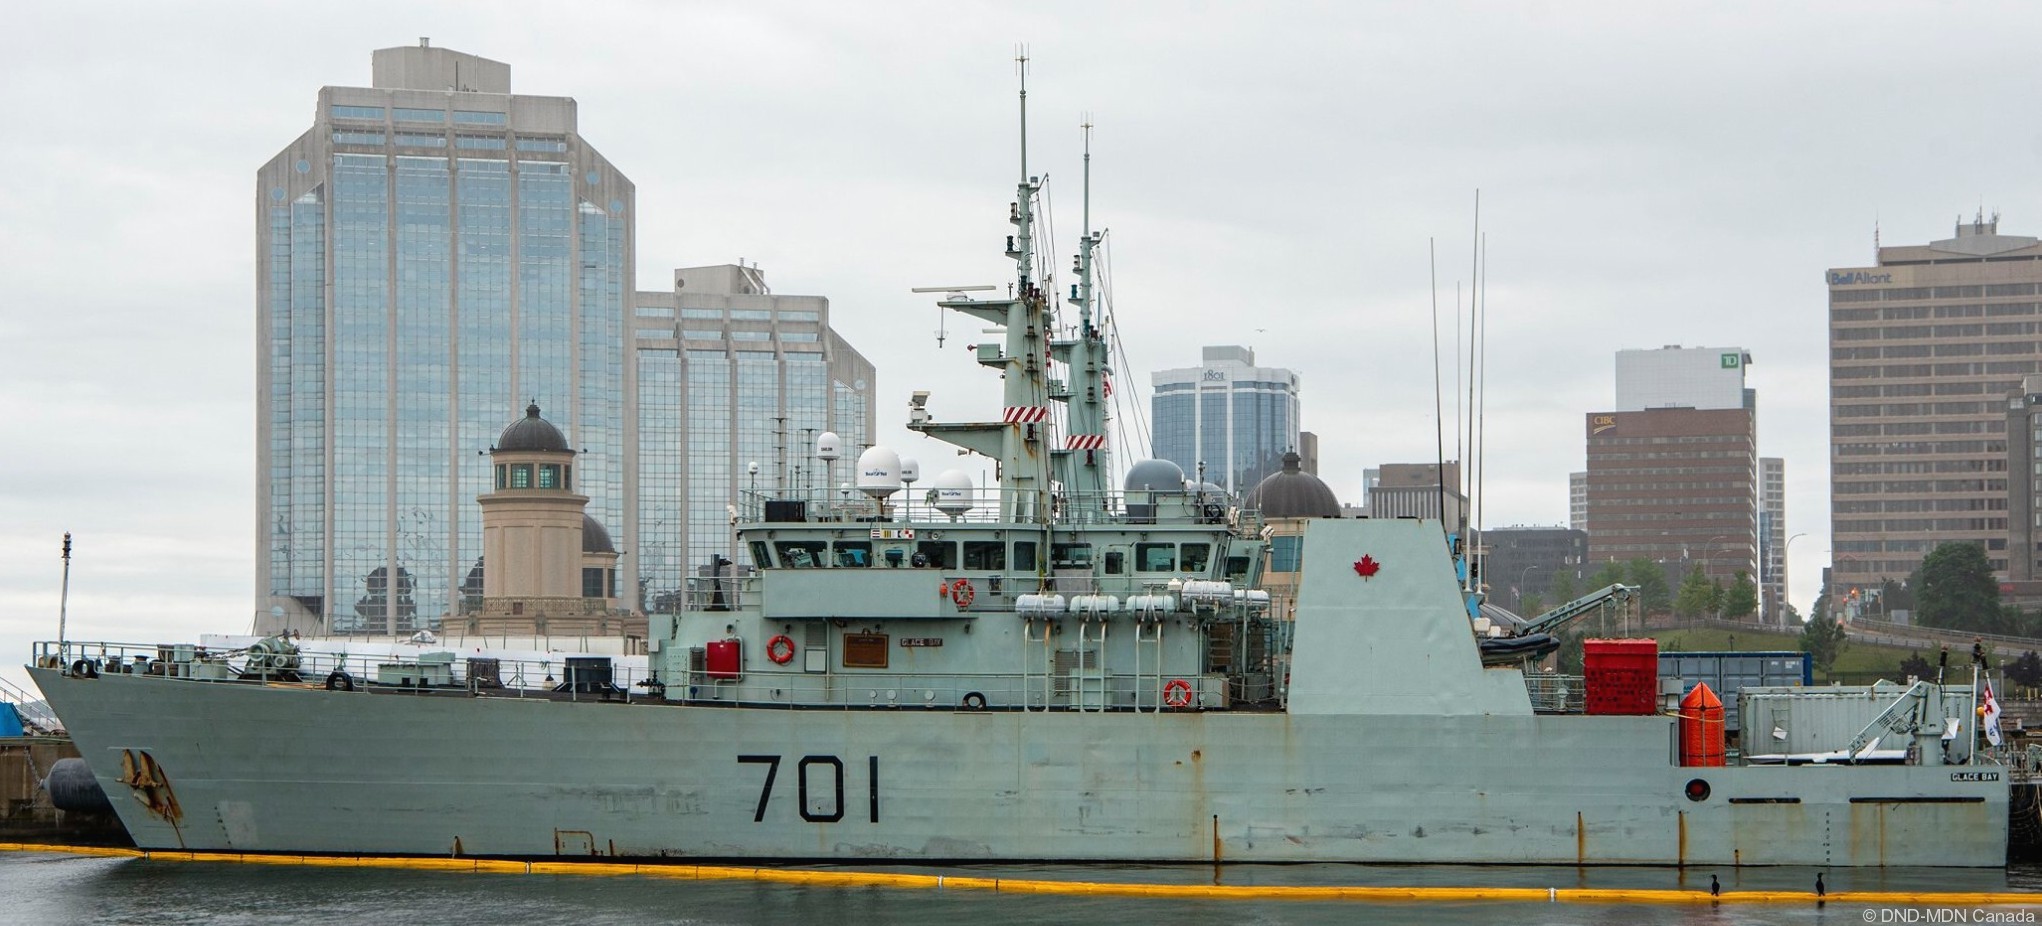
pixel 1236 418
pixel 433 255
pixel 729 375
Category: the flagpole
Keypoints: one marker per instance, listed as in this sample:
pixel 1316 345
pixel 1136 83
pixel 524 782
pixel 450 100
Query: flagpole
pixel 1973 758
pixel 64 601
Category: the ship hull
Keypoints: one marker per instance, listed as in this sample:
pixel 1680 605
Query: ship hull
pixel 256 768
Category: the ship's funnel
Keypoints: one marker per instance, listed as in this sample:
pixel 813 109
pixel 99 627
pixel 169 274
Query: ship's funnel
pixel 879 472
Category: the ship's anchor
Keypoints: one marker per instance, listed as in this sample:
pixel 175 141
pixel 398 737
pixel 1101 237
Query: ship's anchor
pixel 140 772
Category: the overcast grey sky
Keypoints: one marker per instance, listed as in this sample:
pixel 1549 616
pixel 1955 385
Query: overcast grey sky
pixel 1269 174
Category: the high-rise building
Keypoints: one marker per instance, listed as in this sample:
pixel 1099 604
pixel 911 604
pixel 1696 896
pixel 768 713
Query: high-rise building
pixel 1577 501
pixel 1772 538
pixel 1681 377
pixel 1416 490
pixel 1645 470
pixel 1673 472
pixel 1526 562
pixel 1926 346
pixel 733 383
pixel 2024 494
pixel 1235 418
pixel 433 254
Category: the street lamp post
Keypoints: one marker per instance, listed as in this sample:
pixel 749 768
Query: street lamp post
pixel 1709 552
pixel 1521 575
pixel 1787 574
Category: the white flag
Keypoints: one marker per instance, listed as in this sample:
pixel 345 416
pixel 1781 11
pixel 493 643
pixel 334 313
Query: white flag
pixel 1991 715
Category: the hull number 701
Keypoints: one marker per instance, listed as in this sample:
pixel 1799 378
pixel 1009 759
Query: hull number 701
pixel 820 775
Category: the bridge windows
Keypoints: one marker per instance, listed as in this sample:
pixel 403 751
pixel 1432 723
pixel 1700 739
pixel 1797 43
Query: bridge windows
pixel 854 554
pixel 800 554
pixel 985 554
pixel 1155 557
pixel 936 554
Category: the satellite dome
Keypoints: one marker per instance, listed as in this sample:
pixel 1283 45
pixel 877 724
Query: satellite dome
pixel 532 433
pixel 1155 476
pixel 1293 493
pixel 828 446
pixel 594 538
pixel 878 472
pixel 910 471
pixel 952 492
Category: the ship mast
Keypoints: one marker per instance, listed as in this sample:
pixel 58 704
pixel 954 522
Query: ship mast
pixel 1020 440
pixel 1082 463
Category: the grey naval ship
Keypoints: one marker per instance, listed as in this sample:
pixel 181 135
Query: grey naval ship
pixel 1053 667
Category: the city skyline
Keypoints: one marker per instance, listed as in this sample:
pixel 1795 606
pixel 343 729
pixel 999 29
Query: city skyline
pixel 1625 205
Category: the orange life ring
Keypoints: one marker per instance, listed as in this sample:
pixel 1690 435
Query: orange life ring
pixel 961 593
pixel 1177 693
pixel 780 649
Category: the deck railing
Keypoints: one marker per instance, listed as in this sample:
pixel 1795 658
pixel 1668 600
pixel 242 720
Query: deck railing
pixel 1556 694
pixel 626 679
pixel 925 505
pixel 35 715
pixel 355 671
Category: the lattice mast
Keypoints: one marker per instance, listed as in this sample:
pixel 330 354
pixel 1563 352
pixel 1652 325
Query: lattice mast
pixel 1020 441
pixel 1083 465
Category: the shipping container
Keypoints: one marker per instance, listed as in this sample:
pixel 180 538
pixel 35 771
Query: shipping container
pixel 1730 672
pixel 1800 719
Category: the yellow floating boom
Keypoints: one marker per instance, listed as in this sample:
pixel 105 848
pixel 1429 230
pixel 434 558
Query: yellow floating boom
pixel 845 878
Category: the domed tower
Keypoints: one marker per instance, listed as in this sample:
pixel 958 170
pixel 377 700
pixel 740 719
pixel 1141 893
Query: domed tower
pixel 532 523
pixel 1287 500
pixel 1293 493
pixel 598 562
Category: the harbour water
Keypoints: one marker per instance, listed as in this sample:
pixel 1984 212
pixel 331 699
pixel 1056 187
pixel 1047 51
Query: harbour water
pixel 54 888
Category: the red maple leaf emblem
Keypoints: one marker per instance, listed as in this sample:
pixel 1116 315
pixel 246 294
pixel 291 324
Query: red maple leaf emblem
pixel 1366 566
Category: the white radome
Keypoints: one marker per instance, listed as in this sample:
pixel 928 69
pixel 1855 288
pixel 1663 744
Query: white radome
pixel 879 472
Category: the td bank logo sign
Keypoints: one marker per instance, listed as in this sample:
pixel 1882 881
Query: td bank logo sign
pixel 1858 278
pixel 1732 360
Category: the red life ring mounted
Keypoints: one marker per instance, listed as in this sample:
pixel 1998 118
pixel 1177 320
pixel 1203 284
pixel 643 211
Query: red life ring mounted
pixel 961 593
pixel 1177 693
pixel 780 649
